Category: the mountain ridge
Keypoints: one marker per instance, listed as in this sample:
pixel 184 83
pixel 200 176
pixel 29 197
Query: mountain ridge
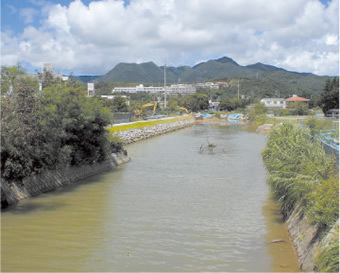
pixel 224 69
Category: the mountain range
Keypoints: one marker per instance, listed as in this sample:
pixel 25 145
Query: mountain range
pixel 213 70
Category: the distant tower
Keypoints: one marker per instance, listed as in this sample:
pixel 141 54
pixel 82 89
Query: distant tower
pixel 48 67
pixel 164 86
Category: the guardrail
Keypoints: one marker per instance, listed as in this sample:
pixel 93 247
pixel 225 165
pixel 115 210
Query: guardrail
pixel 330 144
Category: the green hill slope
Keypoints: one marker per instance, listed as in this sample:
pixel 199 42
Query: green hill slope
pixel 259 76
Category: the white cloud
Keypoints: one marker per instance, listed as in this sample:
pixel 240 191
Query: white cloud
pixel 300 35
pixel 9 52
pixel 332 40
pixel 28 15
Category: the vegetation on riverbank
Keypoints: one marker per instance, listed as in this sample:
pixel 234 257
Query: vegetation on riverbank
pixel 302 175
pixel 327 259
pixel 142 124
pixel 54 128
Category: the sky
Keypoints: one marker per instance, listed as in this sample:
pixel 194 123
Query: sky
pixel 90 37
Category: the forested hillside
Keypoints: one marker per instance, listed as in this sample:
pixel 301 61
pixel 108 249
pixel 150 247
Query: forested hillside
pixel 259 79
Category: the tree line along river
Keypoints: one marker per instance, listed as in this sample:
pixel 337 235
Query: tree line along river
pixel 177 206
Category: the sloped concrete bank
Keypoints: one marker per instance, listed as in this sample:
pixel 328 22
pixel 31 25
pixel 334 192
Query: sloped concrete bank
pixel 14 191
pixel 307 239
pixel 133 135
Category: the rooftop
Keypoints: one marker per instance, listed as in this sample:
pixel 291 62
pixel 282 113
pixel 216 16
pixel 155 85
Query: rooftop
pixel 296 98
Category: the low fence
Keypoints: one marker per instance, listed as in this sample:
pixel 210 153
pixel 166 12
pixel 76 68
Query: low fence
pixel 331 151
pixel 330 142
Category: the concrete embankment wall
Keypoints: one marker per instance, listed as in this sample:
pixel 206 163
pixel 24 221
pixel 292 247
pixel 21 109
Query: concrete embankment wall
pixel 307 239
pixel 133 135
pixel 12 192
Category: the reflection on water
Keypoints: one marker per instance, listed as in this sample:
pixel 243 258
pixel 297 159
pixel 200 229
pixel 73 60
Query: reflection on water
pixel 171 208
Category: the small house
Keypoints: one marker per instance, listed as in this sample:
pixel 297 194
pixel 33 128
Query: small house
pixel 296 98
pixel 275 103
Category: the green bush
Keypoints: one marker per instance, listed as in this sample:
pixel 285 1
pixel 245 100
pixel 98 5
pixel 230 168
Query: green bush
pixel 327 259
pixel 57 127
pixel 258 110
pixel 302 175
pixel 217 115
pixel 298 108
pixel 323 207
pixel 297 164
pixel 282 112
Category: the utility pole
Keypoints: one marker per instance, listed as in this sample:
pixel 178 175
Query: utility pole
pixel 238 89
pixel 165 86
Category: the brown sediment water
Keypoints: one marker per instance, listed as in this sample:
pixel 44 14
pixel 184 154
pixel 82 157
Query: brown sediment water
pixel 174 207
pixel 279 243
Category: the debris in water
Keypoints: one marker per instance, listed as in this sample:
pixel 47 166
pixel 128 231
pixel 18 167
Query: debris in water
pixel 278 241
pixel 211 145
pixel 211 149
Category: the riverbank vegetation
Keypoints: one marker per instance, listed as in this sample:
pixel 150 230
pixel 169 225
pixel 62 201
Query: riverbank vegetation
pixel 329 98
pixel 56 127
pixel 142 124
pixel 327 259
pixel 302 175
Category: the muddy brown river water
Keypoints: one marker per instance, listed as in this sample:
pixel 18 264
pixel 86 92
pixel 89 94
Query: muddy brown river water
pixel 174 207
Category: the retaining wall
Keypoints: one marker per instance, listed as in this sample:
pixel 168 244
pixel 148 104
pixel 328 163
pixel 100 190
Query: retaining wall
pixel 307 239
pixel 13 191
pixel 130 136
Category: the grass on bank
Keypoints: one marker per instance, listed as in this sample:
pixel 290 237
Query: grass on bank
pixel 302 175
pixel 142 124
pixel 316 125
pixel 327 259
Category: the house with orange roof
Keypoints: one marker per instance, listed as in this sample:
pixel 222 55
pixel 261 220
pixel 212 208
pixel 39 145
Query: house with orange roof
pixel 296 98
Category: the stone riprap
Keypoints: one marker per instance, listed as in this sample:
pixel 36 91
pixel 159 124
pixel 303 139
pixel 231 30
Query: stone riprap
pixel 133 135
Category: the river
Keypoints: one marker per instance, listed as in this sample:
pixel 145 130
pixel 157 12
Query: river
pixel 174 207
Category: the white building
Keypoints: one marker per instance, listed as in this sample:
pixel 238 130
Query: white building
pixel 173 89
pixel 276 103
pixel 210 85
pixel 90 89
pixel 181 89
pixel 48 67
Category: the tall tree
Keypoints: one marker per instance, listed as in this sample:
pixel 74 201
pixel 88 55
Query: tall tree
pixel 20 132
pixel 196 102
pixel 57 127
pixel 119 104
pixel 329 98
pixel 10 77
